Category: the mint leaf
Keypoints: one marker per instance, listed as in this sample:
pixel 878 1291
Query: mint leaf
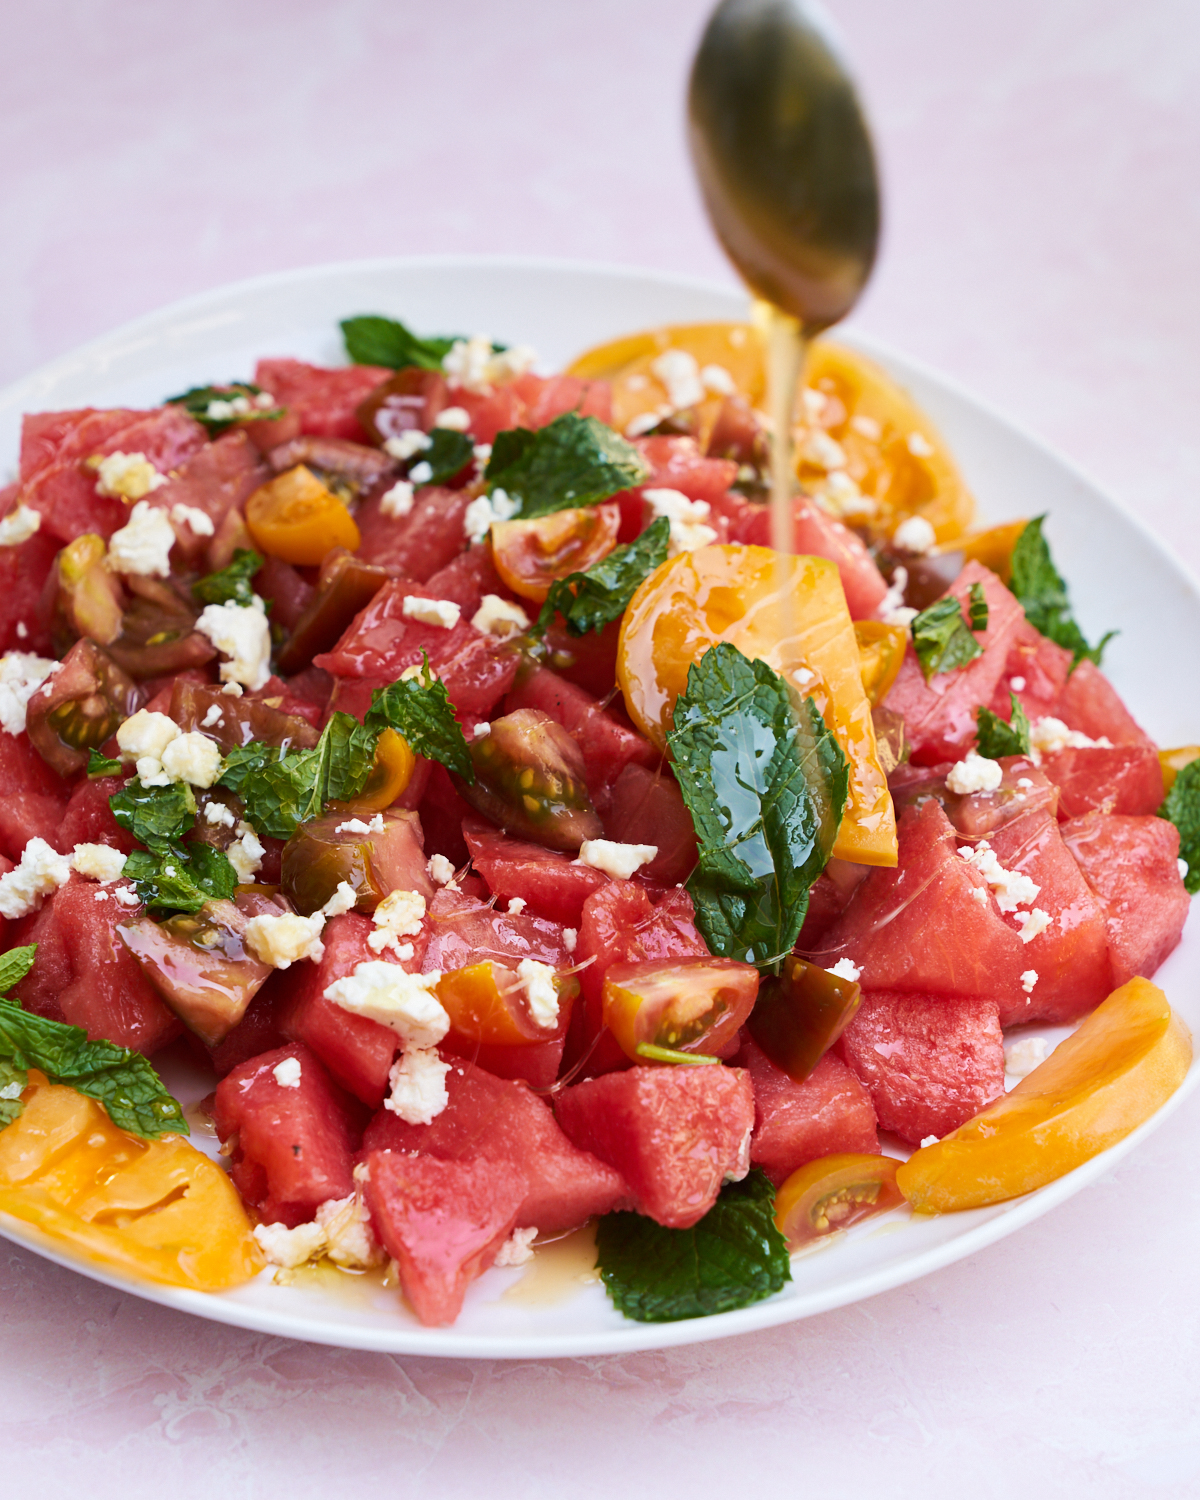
pixel 941 638
pixel 233 403
pixel 571 461
pixel 122 1081
pixel 281 792
pixel 765 782
pixel 232 584
pixel 734 1256
pixel 12 1083
pixel 14 965
pixel 419 710
pixel 447 454
pixel 243 759
pixel 996 738
pixel 592 600
pixel 375 340
pixel 977 607
pixel 1042 594
pixel 181 878
pixel 100 765
pixel 157 816
pixel 345 754
pixel 1182 807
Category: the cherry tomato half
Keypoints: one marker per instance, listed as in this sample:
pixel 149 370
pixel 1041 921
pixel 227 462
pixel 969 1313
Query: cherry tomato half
pixel 530 555
pixel 295 517
pixel 801 1014
pixel 489 1004
pixel 679 1005
pixel 834 1192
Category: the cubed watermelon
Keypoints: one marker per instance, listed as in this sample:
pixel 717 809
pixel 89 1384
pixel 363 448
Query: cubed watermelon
pixel 930 1062
pixel 26 815
pixel 1039 666
pixel 795 1122
pixel 548 396
pixel 325 400
pixel 39 991
pixel 467 577
pixel 88 817
pixel 675 1135
pixel 258 1030
pixel 552 885
pixel 1124 779
pixel 419 544
pixel 1090 704
pixel 23 573
pixel 1132 866
pixel 443 813
pixel 676 463
pixel 464 931
pixel 647 807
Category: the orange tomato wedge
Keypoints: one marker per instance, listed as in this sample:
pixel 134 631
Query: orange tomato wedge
pixel 295 517
pixel 487 1002
pixel 993 548
pixel 158 1209
pixel 390 775
pixel 834 1192
pixel 1125 1061
pixel 530 555
pixel 787 611
pixel 673 1006
pixel 880 655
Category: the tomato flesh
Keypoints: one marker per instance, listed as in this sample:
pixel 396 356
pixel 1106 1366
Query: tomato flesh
pixel 834 1192
pixel 530 555
pixel 681 1006
pixel 800 1014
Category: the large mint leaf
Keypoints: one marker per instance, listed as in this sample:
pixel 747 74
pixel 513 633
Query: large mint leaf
pixel 592 600
pixel 1182 807
pixel 155 815
pixel 375 340
pixel 1042 593
pixel 419 709
pixel 571 461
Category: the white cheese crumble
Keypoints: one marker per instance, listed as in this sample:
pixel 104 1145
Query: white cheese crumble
pixel 1010 888
pixel 1024 782
pixel 919 445
pixel 406 445
pixel 41 871
pixel 1182 865
pixel 846 968
pixel 242 633
pixel 21 674
pixel 517 1249
pixel 289 1248
pixel 421 473
pixel 687 518
pixel 442 612
pixel 822 451
pixel 570 936
pixel 397 502
pixel 143 738
pixel 441 871
pixel 287 1073
pixel 418 1086
pixel 646 421
pixel 349 1238
pixel 473 365
pixel 357 825
pixel 397 916
pixel 915 534
pixel 496 616
pixel 143 545
pixel 126 896
pixel 1034 923
pixel 454 419
pixel 516 905
pixel 386 993
pixel 213 716
pixel 717 378
pixel 929 1140
pixel 1028 980
pixel 974 774
pixel 615 859
pixel 219 815
pixel 98 862
pixel 126 476
pixel 481 453
pixel 1017 684
pixel 1022 1056
pixel 19 525
pixel 481 730
pixel 246 853
pixel 344 899
pixel 867 427
pixel 193 758
pixel 1047 736
pixel 538 980
pixel 286 939
pixel 845 498
pixel 679 374
pixel 485 510
pixel 892 608
pixel 198 521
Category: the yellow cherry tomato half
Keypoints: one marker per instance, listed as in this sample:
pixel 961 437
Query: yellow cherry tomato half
pixel 789 611
pixel 880 654
pixel 530 555
pixel 677 1005
pixel 390 775
pixel 295 517
pixel 157 1209
pixel 993 548
pixel 834 1192
pixel 1126 1059
pixel 1173 761
pixel 489 1003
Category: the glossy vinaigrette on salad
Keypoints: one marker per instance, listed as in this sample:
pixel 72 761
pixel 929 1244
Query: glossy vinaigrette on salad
pixel 439 755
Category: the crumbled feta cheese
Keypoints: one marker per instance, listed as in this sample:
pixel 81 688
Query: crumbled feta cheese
pixel 418 1086
pixel 538 980
pixel 717 378
pixel 406 445
pixel 644 422
pixel 615 859
pixel 41 871
pixel 915 534
pixel 287 1073
pixel 929 1140
pixel 1033 924
pixel 286 939
pixel 846 968
pixel 892 608
pixel 213 716
pixel 22 630
pixel 246 853
pixel 21 674
pixel 1047 736
pixel 454 418
pixel 344 899
pixel 357 825
pixel 290 1248
pixel 1010 888
pixel 1017 684
pixel 979 893
pixel 220 410
pixel 802 676
pixel 198 522
pixel 127 896
pixel 397 502
pixel 1024 782
pixel 485 510
pixel 443 612
pixel 867 427
pixel 1028 980
pixel 472 364
pixel 441 871
pixel 232 689
pixel 349 1238
pixel 517 1249
pixel 679 375
pixel 19 525
pixel 919 445
pixel 398 915
pixel 814 403
pixel 98 862
pixel 482 452
pixel 219 815
pixel 126 476
pixel 1182 865
pixel 143 738
pixel 1025 1054
pixel 421 473
pixel 570 937
pixel 242 633
pixel 974 774
pixel 496 616
pixel 481 730
pixel 264 400
pixel 386 993
pixel 516 905
pixel 687 518
pixel 845 498
pixel 143 545
pixel 193 758
pixel 822 451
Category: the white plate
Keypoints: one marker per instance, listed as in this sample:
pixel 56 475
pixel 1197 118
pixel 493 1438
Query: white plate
pixel 1120 576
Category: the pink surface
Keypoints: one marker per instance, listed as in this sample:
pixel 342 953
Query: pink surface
pixel 1043 168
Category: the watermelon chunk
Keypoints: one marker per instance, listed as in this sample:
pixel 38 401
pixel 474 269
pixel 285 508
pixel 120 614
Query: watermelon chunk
pixel 324 400
pixel 502 1122
pixel 1124 779
pixel 939 715
pixel 23 573
pixel 553 885
pixel 1132 866
pixel 549 396
pixel 467 577
pixel 52 972
pixel 818 534
pixel 26 771
pixel 647 807
pixel 1091 704
pixel 1040 666
pixel 291 1145
pixel 26 815
pixel 930 1062
pixel 676 463
pixel 443 1223
pixel 258 1030
pixel 795 1123
pixel 465 931
pixel 88 817
pixel 976 815
pixel 674 1134
pixel 417 545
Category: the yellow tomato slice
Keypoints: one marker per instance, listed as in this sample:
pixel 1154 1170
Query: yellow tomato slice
pixel 148 1208
pixel 1127 1058
pixel 993 548
pixel 295 517
pixel 390 775
pixel 530 555
pixel 787 611
pixel 834 1192
pixel 487 1003
pixel 1173 761
pixel 880 654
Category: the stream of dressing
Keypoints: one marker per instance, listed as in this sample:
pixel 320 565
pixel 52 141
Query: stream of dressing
pixel 786 348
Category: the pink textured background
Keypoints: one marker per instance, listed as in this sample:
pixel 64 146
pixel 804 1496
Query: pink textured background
pixel 1043 174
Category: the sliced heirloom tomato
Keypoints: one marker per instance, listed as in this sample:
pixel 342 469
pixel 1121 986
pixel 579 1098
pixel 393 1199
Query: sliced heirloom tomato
pixel 530 555
pixel 79 707
pixel 683 1010
pixel 1123 1063
pixel 325 851
pixel 832 1193
pixel 89 600
pixel 144 1208
pixel 800 1014
pixel 787 611
pixel 880 654
pixel 295 517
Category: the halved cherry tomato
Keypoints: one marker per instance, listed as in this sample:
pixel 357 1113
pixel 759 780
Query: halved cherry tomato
pixel 993 548
pixel 390 775
pixel 89 601
pixel 787 611
pixel 296 518
pixel 800 1014
pixel 880 654
pixel 488 1003
pixel 147 1208
pixel 677 1005
pixel 1125 1061
pixel 530 781
pixel 1173 761
pixel 834 1192
pixel 530 555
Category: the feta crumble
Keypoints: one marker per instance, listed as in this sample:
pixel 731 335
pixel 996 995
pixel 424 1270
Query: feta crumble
pixel 679 374
pixel 481 730
pixel 397 502
pixel 1025 1054
pixel 1010 888
pixel 517 1249
pixel 406 445
pixel 1047 736
pixel 473 365
pixel 615 859
pixel 289 1248
pixel 357 825
pixel 246 853
pixel 844 497
pixel 287 1073
pixel 538 980
pixel 198 522
pixel 929 1140
pixel 242 633
pixel 213 716
pixel 219 815
pixel 344 899
pixel 716 378
pixel 687 518
pixel 386 993
pixel 143 738
pixel 846 968
pixel 454 419
pixel 127 896
pixel 915 534
pixel 143 545
pixel 974 774
pixel 822 451
pixel 397 916
pixel 485 510
pixel 496 616
pixel 441 871
pixel 418 1086
pixel 1182 865
pixel 21 674
pixel 1028 980
pixel 19 525
pixel 1017 684
pixel 286 939
pixel 516 905
pixel 126 476
pixel 421 473
pixel 867 427
pixel 570 936
pixel 892 608
pixel 40 873
pixel 98 862
pixel 193 758
pixel 442 612
pixel 1033 924
pixel 349 1239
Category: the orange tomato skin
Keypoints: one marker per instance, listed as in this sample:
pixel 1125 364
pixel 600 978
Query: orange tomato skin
pixel 530 555
pixel 684 1005
pixel 486 1003
pixel 389 778
pixel 880 654
pixel 834 1192
pixel 993 548
pixel 294 517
